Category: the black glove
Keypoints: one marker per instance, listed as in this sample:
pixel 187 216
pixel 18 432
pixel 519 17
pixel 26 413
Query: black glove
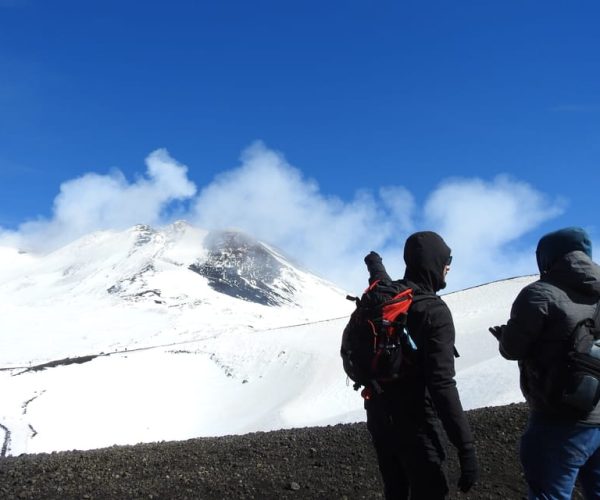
pixel 496 331
pixel 372 258
pixel 469 470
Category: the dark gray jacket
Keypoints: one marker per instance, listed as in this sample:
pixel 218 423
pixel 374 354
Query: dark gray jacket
pixel 542 317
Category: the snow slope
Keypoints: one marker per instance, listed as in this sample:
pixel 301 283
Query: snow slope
pixel 148 335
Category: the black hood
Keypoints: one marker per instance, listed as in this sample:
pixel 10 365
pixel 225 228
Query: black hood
pixel 426 255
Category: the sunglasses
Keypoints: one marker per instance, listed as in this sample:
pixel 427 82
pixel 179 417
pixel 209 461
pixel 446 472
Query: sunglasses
pixel 449 261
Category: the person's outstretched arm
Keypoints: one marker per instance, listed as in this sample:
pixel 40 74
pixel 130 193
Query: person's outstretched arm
pixel 376 268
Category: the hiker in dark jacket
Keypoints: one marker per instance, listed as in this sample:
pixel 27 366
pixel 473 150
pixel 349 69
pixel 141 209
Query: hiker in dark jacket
pixel 558 445
pixel 403 419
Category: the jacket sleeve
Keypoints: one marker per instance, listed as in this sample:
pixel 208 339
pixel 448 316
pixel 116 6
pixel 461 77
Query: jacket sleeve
pixel 527 318
pixel 439 376
pixel 376 268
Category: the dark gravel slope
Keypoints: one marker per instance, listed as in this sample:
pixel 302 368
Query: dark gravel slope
pixel 333 462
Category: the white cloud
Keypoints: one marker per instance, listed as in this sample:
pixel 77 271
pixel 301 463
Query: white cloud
pixel 271 200
pixel 265 196
pixel 93 202
pixel 480 220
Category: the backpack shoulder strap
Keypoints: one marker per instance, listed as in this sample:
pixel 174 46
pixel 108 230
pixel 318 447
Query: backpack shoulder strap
pixel 420 295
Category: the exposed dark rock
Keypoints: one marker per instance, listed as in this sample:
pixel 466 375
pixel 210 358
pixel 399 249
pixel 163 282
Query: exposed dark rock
pixel 5 443
pixel 144 234
pixel 138 278
pixel 60 362
pixel 332 462
pixel 244 268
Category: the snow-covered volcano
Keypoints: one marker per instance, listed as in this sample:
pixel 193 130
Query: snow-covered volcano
pixel 161 334
pixel 115 290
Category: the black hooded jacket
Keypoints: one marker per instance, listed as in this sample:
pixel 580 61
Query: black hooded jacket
pixel 431 389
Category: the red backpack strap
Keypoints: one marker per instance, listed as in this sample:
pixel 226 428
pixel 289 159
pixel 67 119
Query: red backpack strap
pixel 397 305
pixel 371 286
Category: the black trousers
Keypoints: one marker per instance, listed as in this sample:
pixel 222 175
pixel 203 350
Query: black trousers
pixel 409 450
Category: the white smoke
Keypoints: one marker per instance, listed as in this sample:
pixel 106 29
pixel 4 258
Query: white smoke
pixel 265 196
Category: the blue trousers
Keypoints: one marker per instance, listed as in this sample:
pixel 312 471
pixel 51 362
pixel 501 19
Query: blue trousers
pixel 554 454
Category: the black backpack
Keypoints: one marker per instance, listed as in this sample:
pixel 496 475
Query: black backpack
pixel 375 345
pixel 580 388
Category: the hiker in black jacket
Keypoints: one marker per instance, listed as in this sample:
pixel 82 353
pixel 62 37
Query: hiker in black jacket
pixel 403 419
pixel 558 445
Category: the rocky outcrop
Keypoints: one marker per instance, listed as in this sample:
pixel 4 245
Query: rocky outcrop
pixel 244 268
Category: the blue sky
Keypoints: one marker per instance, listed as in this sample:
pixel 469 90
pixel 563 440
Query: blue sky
pixel 373 119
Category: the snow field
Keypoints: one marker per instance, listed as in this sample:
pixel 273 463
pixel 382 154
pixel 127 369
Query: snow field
pixel 177 360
